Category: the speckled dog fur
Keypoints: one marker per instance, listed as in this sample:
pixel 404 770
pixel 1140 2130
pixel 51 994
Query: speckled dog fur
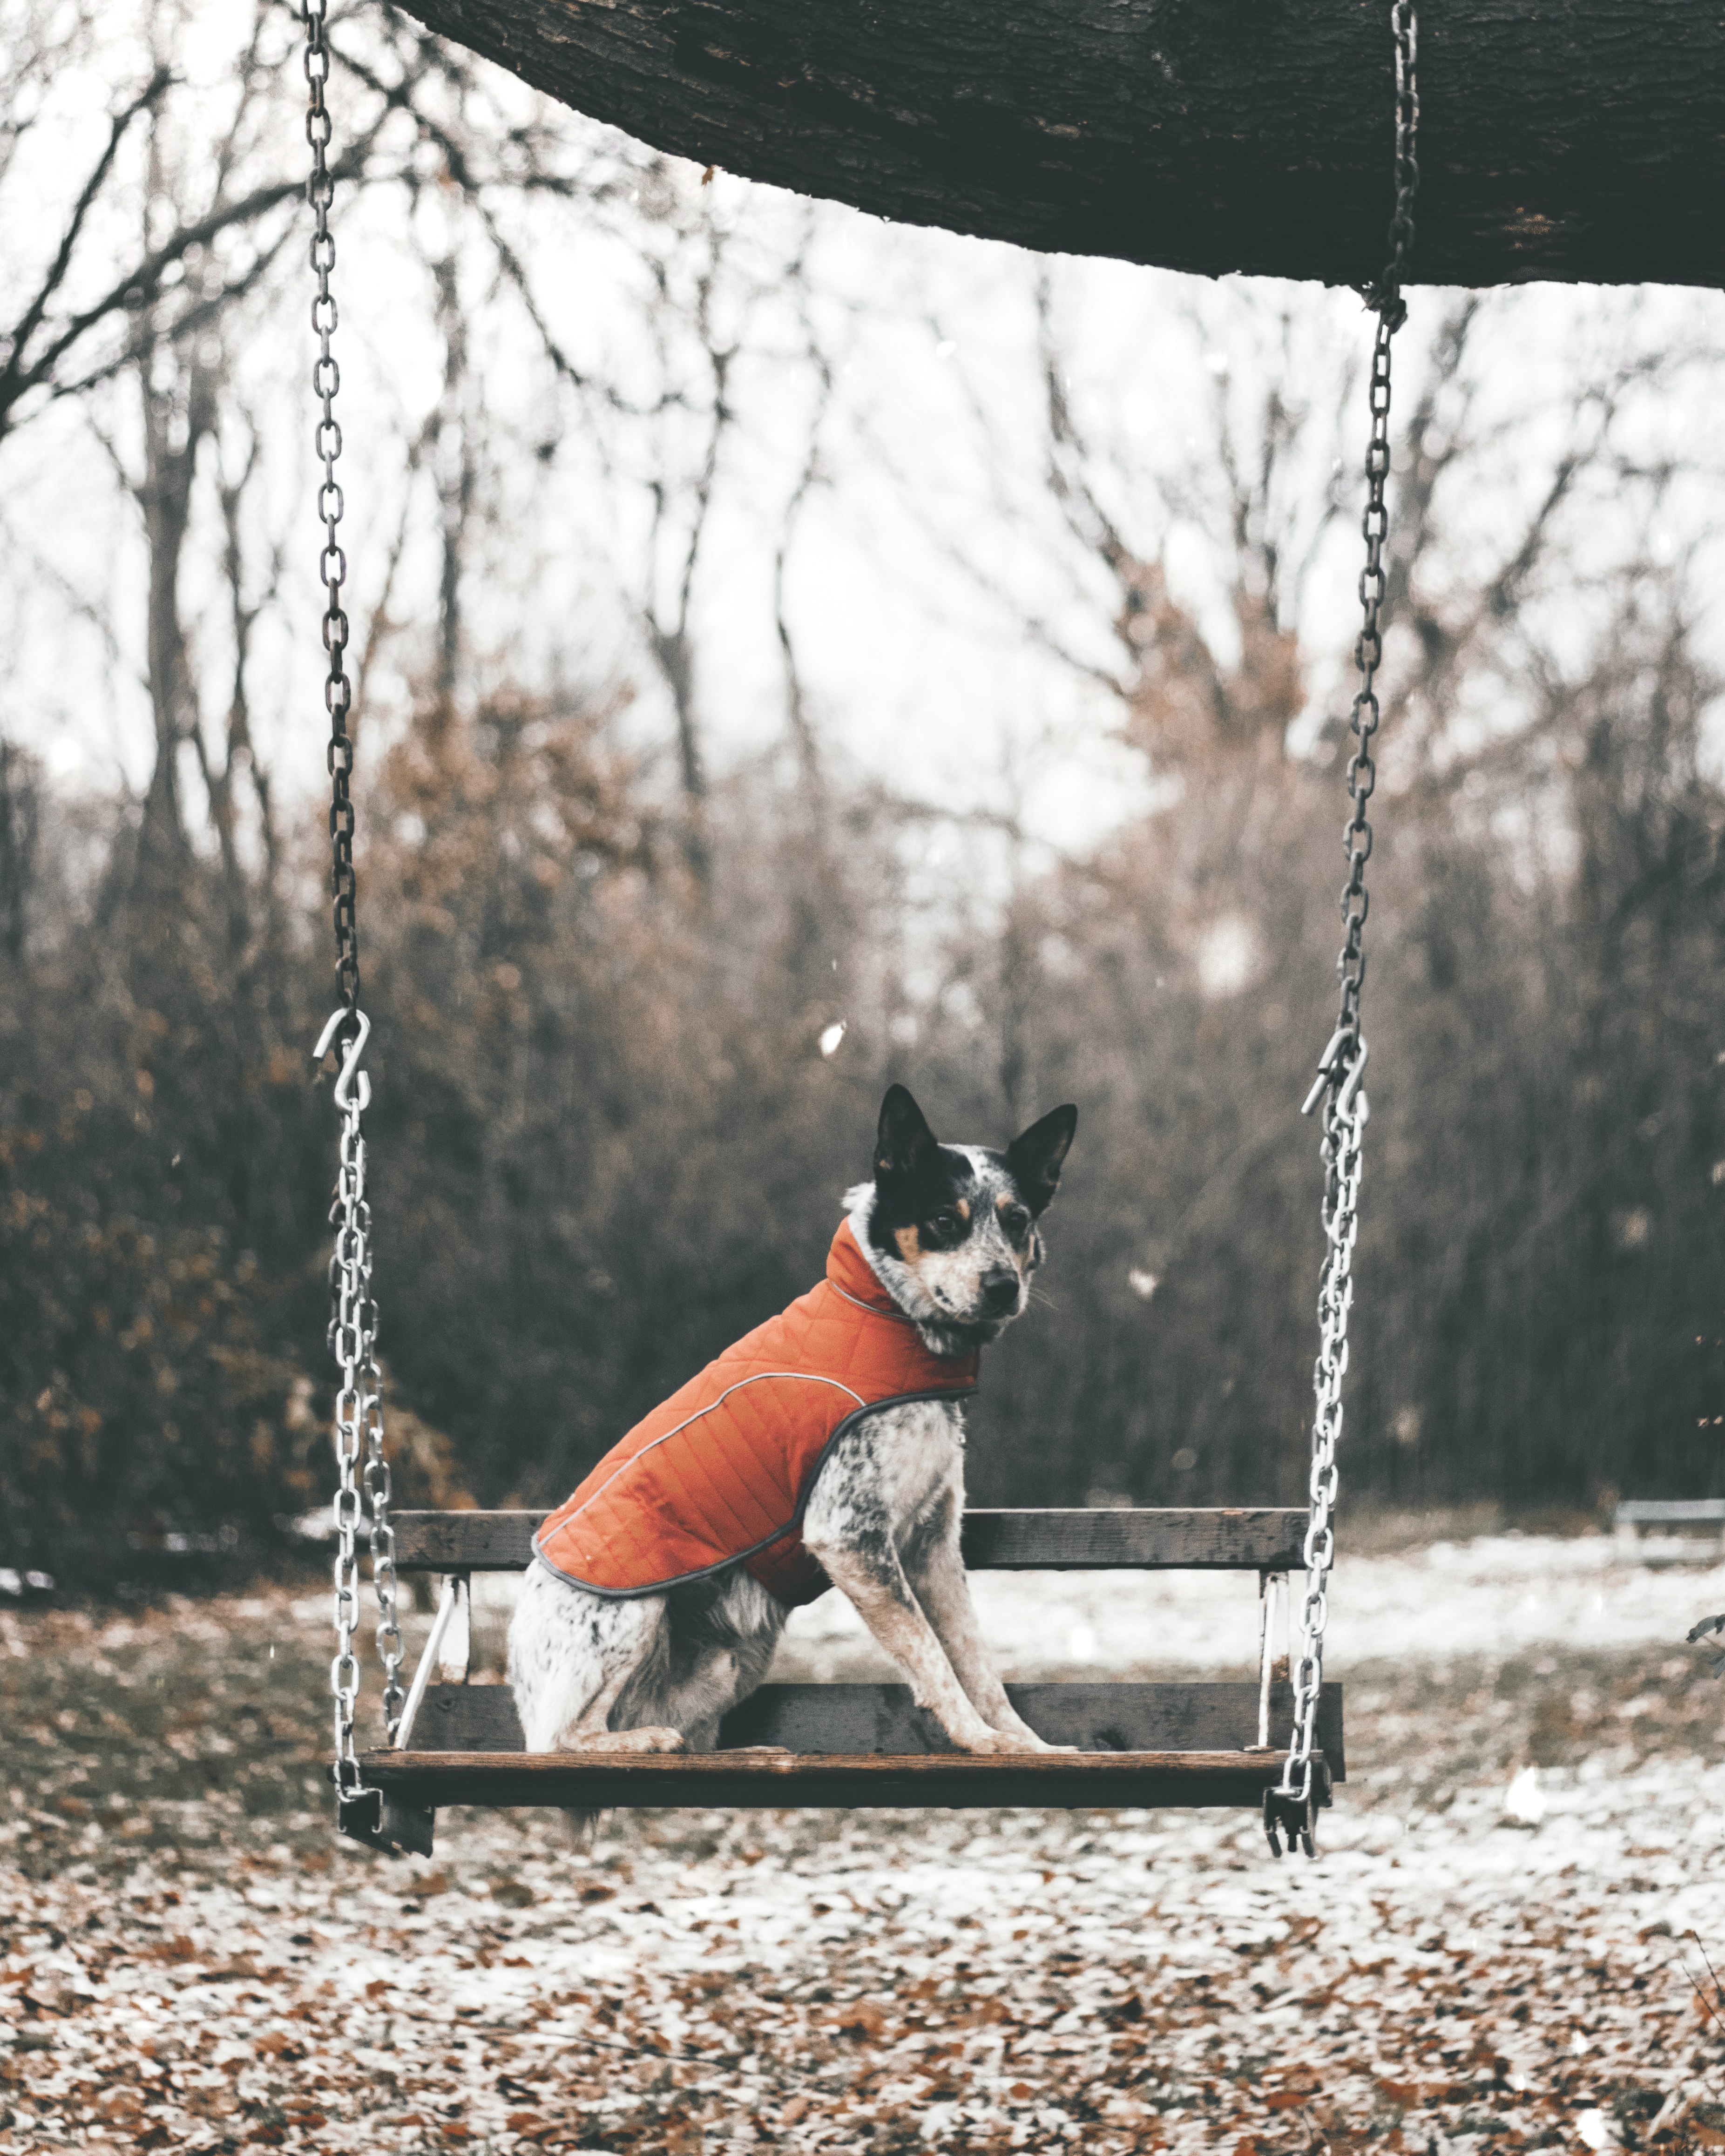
pixel 952 1233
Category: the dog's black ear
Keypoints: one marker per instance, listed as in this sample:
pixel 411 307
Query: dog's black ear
pixel 904 1142
pixel 1034 1156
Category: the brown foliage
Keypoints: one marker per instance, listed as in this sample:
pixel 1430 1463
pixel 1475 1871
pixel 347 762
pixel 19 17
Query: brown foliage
pixel 604 1141
pixel 1183 705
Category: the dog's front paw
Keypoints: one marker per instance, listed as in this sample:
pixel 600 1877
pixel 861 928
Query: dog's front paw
pixel 1029 1741
pixel 630 1740
pixel 654 1740
pixel 995 1743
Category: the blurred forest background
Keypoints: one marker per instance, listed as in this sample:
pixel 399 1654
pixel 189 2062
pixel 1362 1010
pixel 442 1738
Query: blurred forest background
pixel 639 967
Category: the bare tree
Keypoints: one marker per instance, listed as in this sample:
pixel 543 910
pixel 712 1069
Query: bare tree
pixel 665 603
pixel 215 245
pixel 819 362
pixel 238 755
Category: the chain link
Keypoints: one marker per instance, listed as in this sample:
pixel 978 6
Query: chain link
pixel 359 1439
pixel 1341 1067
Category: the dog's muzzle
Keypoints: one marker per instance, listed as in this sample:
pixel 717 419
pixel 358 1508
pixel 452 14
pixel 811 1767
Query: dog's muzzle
pixel 1000 1293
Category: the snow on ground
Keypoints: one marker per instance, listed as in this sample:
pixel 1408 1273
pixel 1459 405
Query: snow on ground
pixel 1498 1948
pixel 1495 1594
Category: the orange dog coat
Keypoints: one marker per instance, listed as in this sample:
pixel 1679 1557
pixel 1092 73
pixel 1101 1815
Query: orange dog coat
pixel 720 1475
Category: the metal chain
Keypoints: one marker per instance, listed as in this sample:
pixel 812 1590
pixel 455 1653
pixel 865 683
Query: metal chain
pixel 359 1415
pixel 332 566
pixel 353 1309
pixel 350 1275
pixel 1342 1066
pixel 1344 1162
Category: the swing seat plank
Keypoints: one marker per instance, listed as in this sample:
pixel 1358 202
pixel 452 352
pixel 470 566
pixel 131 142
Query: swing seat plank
pixel 1080 1538
pixel 943 1780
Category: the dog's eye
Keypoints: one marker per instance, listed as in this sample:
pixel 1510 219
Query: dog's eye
pixel 945 1223
pixel 1015 1220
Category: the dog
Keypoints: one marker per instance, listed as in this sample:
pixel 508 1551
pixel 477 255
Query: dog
pixel 641 1624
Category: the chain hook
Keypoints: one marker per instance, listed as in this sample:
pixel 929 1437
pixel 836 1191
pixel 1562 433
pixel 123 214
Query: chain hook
pixel 1350 1083
pixel 350 1054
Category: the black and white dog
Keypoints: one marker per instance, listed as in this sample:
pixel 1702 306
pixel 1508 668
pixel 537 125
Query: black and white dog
pixel 950 1233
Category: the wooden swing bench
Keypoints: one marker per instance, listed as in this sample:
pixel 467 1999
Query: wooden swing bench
pixel 1184 1744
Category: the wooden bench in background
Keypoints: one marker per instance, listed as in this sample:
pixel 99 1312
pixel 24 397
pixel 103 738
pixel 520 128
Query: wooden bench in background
pixel 1668 1517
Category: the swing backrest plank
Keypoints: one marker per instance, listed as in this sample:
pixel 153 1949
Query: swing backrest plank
pixel 815 1719
pixel 1090 1539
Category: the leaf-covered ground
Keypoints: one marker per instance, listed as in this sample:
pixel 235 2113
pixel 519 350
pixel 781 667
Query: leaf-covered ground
pixel 189 1959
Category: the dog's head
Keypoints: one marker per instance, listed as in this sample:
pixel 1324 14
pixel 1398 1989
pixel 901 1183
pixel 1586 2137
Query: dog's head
pixel 951 1230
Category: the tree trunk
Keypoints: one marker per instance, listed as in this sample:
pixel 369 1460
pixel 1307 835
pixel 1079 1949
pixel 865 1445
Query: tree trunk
pixel 178 413
pixel 20 829
pixel 453 462
pixel 1577 140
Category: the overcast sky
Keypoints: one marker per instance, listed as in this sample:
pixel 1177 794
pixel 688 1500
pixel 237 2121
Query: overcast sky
pixel 928 543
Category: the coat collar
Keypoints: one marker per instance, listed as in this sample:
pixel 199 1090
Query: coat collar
pixel 851 1272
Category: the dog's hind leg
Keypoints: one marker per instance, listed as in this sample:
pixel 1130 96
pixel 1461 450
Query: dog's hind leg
pixel 721 1635
pixel 571 1656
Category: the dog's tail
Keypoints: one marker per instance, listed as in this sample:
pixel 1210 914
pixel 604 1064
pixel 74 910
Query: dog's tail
pixel 583 1826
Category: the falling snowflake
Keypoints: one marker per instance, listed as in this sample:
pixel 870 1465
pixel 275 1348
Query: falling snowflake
pixel 831 1036
pixel 1143 1285
pixel 1524 1800
pixel 1228 955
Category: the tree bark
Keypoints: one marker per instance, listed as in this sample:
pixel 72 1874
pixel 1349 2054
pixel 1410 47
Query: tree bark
pixel 1582 141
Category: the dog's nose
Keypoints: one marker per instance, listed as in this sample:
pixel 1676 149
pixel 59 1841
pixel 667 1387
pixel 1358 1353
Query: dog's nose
pixel 1000 1290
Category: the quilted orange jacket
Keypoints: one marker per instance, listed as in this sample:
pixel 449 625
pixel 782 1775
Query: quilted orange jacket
pixel 720 1475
